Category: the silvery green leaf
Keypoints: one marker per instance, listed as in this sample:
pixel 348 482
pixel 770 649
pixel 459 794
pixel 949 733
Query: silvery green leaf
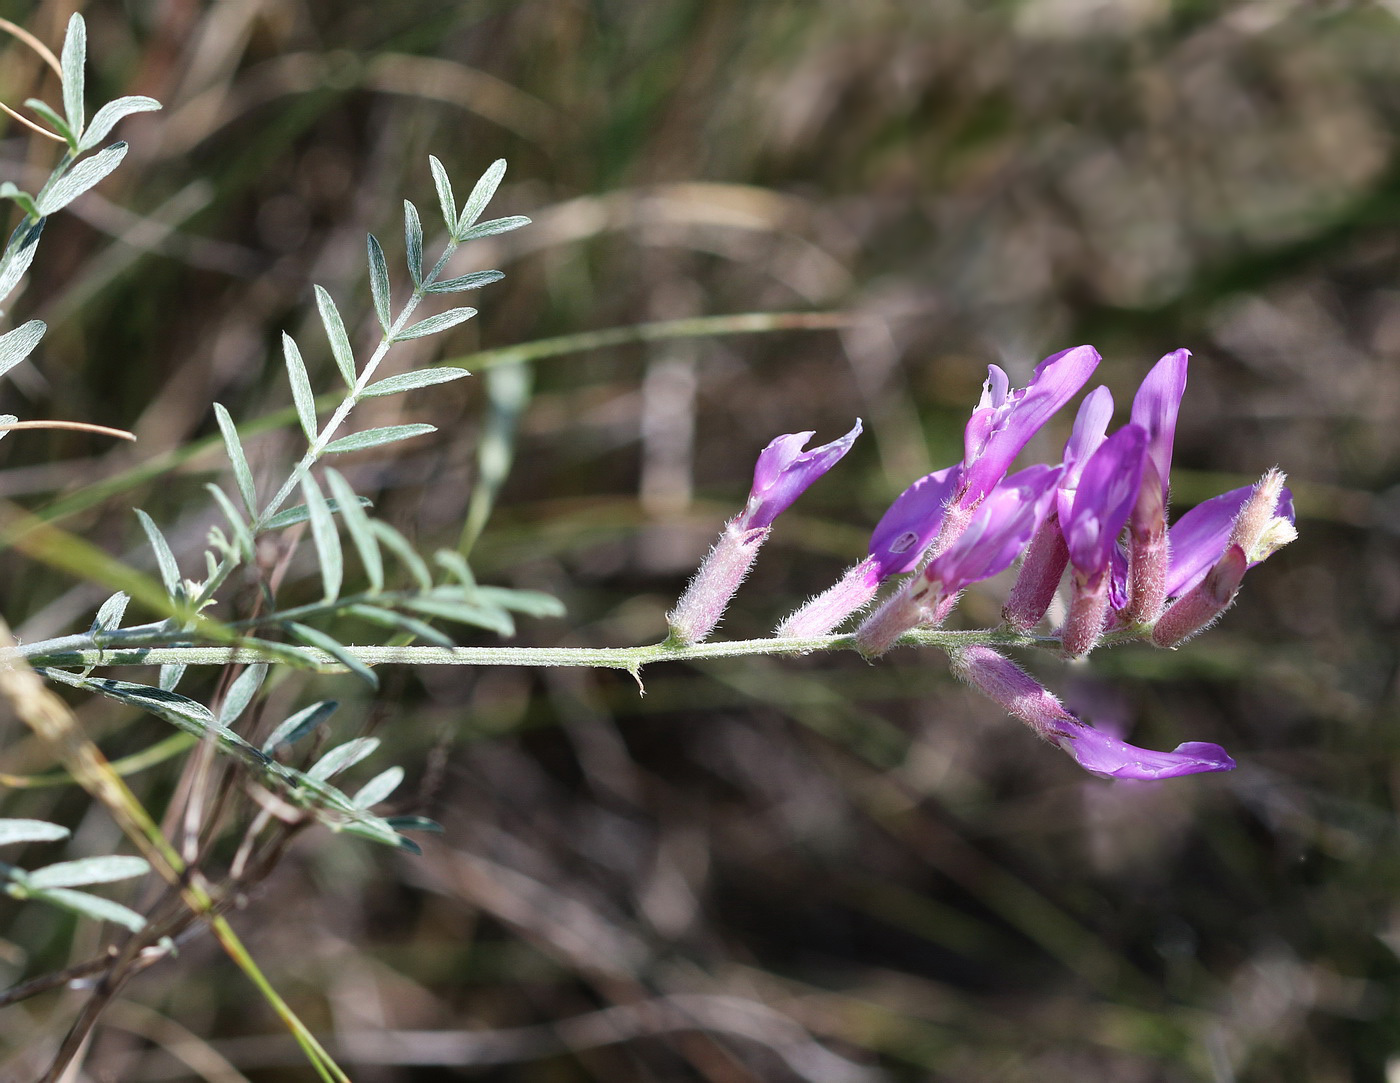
pixel 93 906
pixel 312 638
pixel 414 823
pixel 481 195
pixel 299 725
pixel 22 199
pixel 444 194
pixel 388 618
pixel 165 559
pixel 241 693
pixel 302 395
pixel 335 332
pixel 378 788
pixel 410 381
pixel 86 174
pixel 478 616
pixel 241 534
pixel 242 476
pixel 106 117
pixel 6 419
pixel 493 227
pixel 12 831
pixel 109 615
pixel 180 711
pixel 413 242
pixel 342 757
pixel 473 281
pixel 105 869
pixel 377 830
pixel 379 281
pixel 401 548
pixel 170 675
pixel 72 62
pixel 298 514
pixel 326 537
pixel 532 603
pixel 19 254
pixel 19 343
pixel 388 434
pixel 59 125
pixel 357 523
pixel 433 324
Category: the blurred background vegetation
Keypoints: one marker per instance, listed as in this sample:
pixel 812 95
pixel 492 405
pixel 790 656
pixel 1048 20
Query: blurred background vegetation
pixel 763 870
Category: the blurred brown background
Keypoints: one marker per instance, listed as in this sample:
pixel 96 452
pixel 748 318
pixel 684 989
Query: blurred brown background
pixel 776 870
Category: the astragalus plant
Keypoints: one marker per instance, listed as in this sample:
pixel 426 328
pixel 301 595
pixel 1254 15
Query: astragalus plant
pixel 1098 520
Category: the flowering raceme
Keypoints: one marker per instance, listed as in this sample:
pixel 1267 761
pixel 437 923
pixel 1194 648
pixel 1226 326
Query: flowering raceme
pixel 1100 515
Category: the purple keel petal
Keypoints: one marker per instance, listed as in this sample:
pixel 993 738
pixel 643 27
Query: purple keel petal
pixel 1108 757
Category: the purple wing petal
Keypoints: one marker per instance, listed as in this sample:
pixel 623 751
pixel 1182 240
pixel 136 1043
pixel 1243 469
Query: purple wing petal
pixel 1198 538
pixel 912 522
pixel 1108 757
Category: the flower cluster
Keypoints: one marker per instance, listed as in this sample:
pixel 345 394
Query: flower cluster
pixel 1097 520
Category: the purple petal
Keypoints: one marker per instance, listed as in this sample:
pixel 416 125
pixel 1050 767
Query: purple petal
pixel 1155 407
pixel 784 471
pixel 1090 425
pixel 1000 529
pixel 1107 492
pixel 1108 757
pixel 781 452
pixel 1004 421
pixel 912 522
pixel 1199 537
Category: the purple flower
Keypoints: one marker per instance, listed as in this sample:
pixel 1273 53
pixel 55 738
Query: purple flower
pixel 781 475
pixel 784 471
pixel 1155 409
pixel 1047 555
pixel 1006 419
pixel 1023 697
pixel 1214 555
pixel 999 529
pixel 1106 493
pixel 1199 537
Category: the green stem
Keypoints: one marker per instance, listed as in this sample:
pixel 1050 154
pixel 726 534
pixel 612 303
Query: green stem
pixel 631 659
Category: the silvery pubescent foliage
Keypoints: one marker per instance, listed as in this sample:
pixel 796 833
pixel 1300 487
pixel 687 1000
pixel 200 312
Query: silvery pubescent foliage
pixel 1099 515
